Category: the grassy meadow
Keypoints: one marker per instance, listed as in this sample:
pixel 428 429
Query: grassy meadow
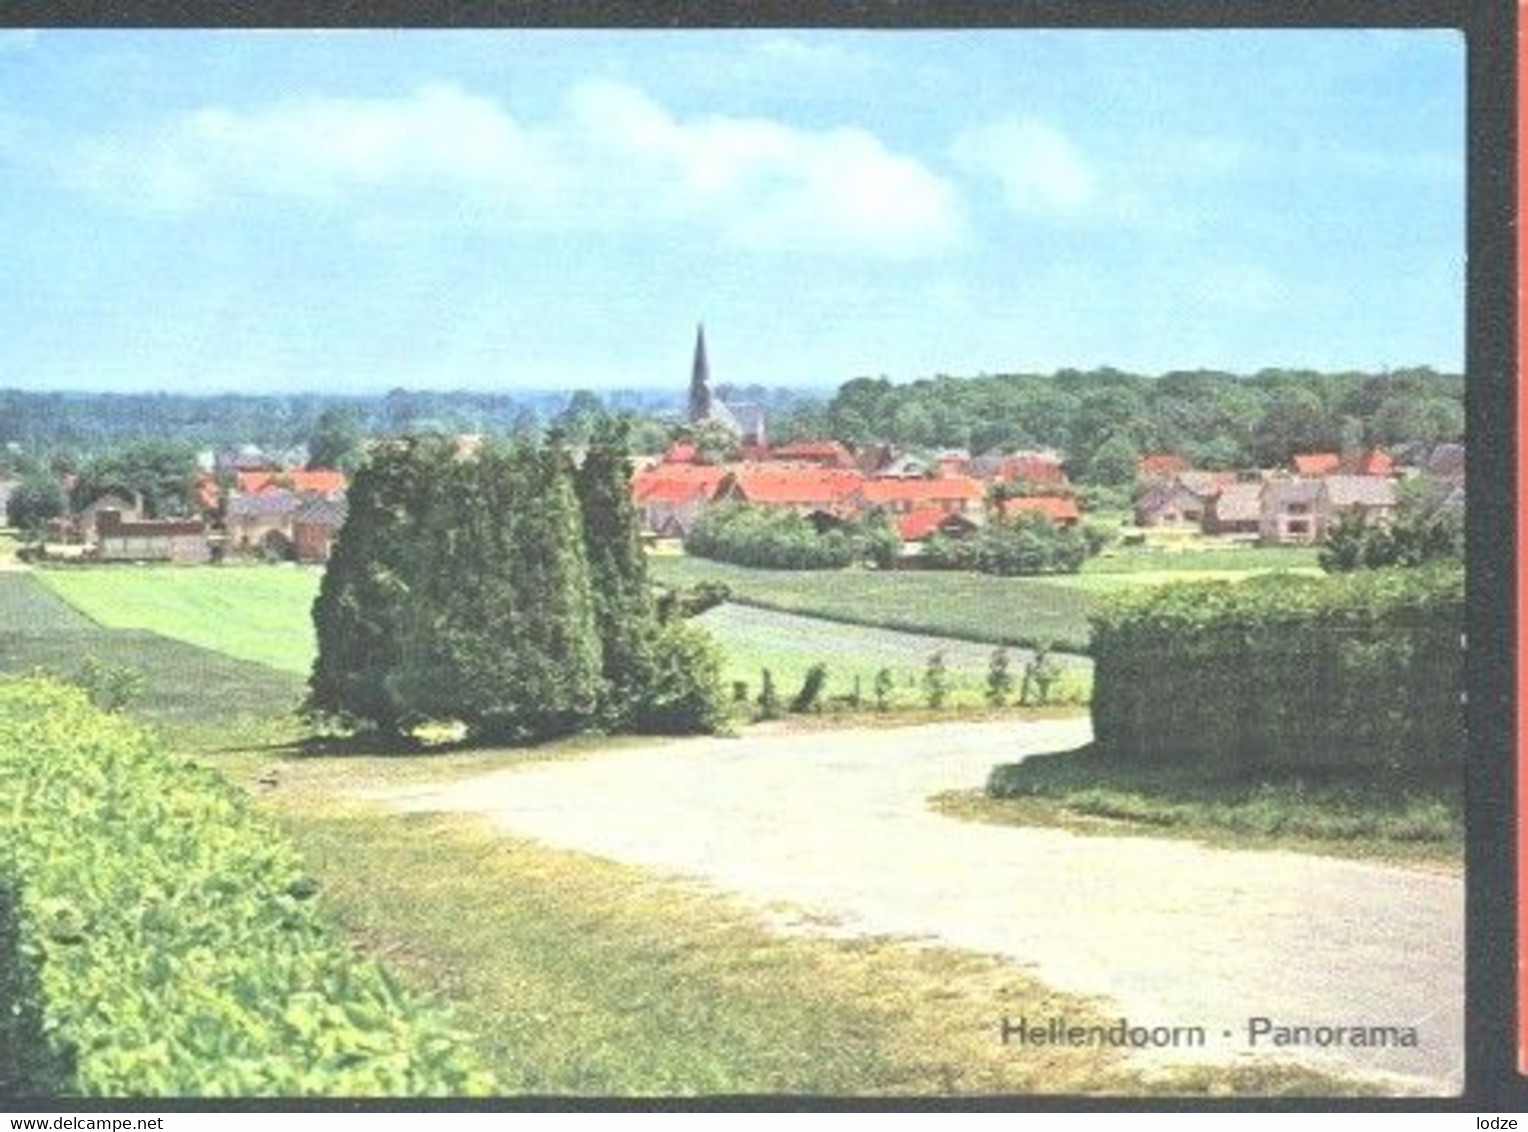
pixel 254 613
pixel 972 607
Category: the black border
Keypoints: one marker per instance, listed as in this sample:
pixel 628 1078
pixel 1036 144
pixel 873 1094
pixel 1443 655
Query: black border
pixel 1490 30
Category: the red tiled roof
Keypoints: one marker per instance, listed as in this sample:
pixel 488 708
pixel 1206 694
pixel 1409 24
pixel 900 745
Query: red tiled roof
pixel 1163 464
pixel 1317 463
pixel 1035 469
pixel 676 483
pixel 919 523
pixel 794 484
pixel 1369 462
pixel 321 481
pixel 681 453
pixel 207 494
pixel 921 491
pixel 817 450
pixel 1053 507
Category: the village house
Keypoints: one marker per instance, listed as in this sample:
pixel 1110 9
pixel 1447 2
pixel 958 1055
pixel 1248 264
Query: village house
pixel 262 522
pixel 315 525
pixel 1061 510
pixel 803 488
pixel 922 523
pixel 1289 511
pixel 315 481
pixel 1312 465
pixel 80 527
pixel 1172 503
pixel 823 453
pixel 125 539
pixel 952 495
pixel 670 497
pixel 1372 497
pixel 1236 510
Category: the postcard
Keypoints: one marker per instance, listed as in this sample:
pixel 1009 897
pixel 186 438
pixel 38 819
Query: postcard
pixel 783 563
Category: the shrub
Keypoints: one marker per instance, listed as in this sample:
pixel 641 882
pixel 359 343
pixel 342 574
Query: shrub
pixel 171 942
pixel 999 678
pixel 1041 674
pixel 936 680
pixel 782 540
pixel 1361 669
pixel 882 688
pixel 811 689
pixel 769 699
pixel 685 694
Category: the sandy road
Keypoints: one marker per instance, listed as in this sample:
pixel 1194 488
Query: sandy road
pixel 1171 933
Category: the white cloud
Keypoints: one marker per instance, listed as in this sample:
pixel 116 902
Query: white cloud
pixel 1040 169
pixel 765 184
pixel 315 149
pixel 612 157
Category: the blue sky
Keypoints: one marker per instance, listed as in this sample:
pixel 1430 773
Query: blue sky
pixel 497 210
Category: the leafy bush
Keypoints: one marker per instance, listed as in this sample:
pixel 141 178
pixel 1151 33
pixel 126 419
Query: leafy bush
pixel 1362 669
pixel 169 938
pixel 1030 544
pixel 1354 543
pixel 811 689
pixel 936 680
pixel 777 539
pixel 685 694
pixel 769 699
pixel 999 678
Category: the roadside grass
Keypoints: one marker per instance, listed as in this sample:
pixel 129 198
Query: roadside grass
pixel 580 976
pixel 971 607
pixel 258 613
pixel 1384 815
pixel 754 639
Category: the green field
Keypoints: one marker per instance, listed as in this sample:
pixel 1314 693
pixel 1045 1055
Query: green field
pixel 183 685
pixel 1199 560
pixel 256 613
pixel 972 607
pixel 754 639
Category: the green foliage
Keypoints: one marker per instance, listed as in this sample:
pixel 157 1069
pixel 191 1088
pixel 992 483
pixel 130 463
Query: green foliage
pixel 1041 674
pixel 1026 545
pixel 685 694
pixel 1354 543
pixel 773 538
pixel 769 698
pixel 335 441
pixel 111 687
pixel 34 500
pixel 173 943
pixel 502 592
pixel 809 697
pixel 936 680
pixel 1362 669
pixel 161 472
pixel 999 678
pixel 884 684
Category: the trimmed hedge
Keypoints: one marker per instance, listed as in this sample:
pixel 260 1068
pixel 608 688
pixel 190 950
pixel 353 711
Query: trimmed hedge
pixel 1357 670
pixel 161 940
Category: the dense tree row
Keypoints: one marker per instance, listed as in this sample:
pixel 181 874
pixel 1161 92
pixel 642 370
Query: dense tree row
pixel 1105 420
pixel 783 540
pixel 507 592
pixel 1029 544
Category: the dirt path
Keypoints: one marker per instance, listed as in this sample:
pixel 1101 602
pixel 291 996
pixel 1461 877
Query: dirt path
pixel 1172 933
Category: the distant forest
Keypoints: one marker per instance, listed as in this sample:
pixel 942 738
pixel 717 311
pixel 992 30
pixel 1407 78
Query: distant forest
pixel 1103 419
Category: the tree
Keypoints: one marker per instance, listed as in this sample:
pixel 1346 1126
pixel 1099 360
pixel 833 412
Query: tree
pixel 37 498
pixel 625 614
pixel 811 689
pixel 335 441
pixel 882 689
pixel 936 680
pixel 1115 462
pixel 999 678
pixel 160 472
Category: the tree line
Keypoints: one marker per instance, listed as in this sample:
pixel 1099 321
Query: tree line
pixel 1105 420
pixel 506 592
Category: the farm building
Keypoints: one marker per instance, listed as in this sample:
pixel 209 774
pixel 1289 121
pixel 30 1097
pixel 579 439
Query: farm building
pixel 121 539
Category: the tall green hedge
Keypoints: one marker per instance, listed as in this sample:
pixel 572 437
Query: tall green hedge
pixel 1357 670
pixel 159 939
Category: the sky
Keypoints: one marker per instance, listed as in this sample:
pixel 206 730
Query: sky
pixel 198 211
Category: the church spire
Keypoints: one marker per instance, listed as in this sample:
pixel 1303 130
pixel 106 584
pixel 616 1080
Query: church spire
pixel 700 379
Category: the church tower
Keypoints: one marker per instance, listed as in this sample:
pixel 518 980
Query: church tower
pixel 700 380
